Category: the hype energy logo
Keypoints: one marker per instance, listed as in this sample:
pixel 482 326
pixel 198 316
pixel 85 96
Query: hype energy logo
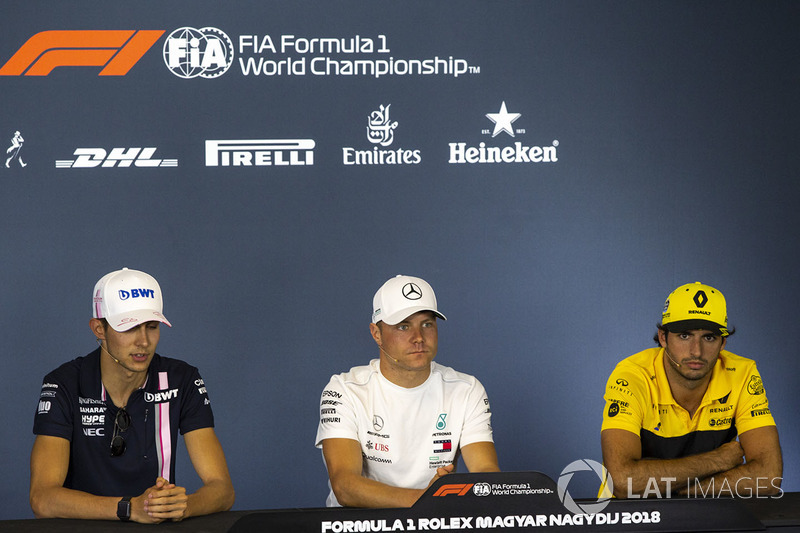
pixel 191 53
pixel 117 51
pixel 507 149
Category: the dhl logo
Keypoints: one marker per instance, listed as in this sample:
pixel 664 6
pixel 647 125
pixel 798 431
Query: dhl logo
pixel 114 50
pixel 454 488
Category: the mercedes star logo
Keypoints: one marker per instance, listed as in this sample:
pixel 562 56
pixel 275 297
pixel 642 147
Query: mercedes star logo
pixel 412 291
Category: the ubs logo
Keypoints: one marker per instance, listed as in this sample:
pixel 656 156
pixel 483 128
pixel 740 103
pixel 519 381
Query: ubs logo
pixel 412 291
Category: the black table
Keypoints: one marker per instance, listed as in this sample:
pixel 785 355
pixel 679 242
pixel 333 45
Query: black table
pixel 503 501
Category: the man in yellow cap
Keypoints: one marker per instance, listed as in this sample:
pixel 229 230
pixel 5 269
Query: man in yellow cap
pixel 673 413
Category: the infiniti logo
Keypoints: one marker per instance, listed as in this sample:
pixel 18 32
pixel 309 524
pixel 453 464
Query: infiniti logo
pixel 411 291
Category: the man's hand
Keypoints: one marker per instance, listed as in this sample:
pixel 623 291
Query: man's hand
pixel 441 472
pixel 162 501
pixel 731 455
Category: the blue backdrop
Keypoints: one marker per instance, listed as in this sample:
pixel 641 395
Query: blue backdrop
pixel 638 146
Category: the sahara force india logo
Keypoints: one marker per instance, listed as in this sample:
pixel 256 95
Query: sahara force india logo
pixel 117 51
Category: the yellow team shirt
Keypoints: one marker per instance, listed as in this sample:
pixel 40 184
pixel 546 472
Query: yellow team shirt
pixel 638 399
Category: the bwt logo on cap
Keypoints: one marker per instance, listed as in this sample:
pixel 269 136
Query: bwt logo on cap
pixel 136 293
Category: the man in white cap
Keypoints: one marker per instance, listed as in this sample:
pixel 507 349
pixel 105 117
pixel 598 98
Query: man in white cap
pixel 107 424
pixel 391 428
pixel 673 413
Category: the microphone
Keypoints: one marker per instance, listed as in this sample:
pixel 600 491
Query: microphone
pixel 380 347
pixel 120 363
pixel 670 357
pixel 100 342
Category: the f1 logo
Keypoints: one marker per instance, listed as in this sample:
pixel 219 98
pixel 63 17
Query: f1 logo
pixel 454 488
pixel 115 50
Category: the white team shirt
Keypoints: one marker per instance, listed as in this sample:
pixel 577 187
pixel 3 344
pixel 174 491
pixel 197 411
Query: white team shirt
pixel 405 434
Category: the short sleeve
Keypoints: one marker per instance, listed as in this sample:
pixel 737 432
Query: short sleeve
pixel 753 412
pixel 478 417
pixel 196 410
pixel 337 417
pixel 54 412
pixel 625 396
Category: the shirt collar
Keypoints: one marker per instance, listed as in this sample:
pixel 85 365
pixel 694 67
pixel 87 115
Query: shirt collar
pixel 91 383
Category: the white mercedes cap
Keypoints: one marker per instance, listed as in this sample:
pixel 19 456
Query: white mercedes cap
pixel 401 297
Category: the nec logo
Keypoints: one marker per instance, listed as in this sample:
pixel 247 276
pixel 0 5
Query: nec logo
pixel 136 293
pixel 160 397
pixel 122 157
pixel 458 489
pixel 117 51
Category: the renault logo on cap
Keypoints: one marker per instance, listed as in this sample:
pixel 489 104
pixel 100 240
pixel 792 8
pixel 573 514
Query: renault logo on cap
pixel 411 291
pixel 700 299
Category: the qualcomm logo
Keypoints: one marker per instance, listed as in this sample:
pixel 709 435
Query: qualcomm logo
pixel 503 122
pixel 380 131
pixel 122 157
pixel 189 52
pixel 259 152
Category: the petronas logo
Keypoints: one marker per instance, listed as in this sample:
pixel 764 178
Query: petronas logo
pixel 441 424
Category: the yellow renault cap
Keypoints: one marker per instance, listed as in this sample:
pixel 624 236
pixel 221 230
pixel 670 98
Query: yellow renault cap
pixel 695 306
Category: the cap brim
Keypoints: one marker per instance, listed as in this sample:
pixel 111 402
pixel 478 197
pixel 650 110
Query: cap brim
pixel 687 325
pixel 131 319
pixel 407 312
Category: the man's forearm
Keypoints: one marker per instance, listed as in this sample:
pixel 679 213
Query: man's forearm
pixel 358 491
pixel 747 480
pixel 213 497
pixel 60 502
pixel 646 477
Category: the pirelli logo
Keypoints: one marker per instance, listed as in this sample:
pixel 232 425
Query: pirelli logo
pixel 259 152
pixel 459 489
pixel 117 51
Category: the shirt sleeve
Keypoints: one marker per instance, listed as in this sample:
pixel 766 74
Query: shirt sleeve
pixel 478 417
pixel 626 393
pixel 54 413
pixel 196 410
pixel 752 410
pixel 337 416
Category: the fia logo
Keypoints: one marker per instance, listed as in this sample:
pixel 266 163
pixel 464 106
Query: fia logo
pixel 189 52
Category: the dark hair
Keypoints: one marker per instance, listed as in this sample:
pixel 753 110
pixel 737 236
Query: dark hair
pixel 665 330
